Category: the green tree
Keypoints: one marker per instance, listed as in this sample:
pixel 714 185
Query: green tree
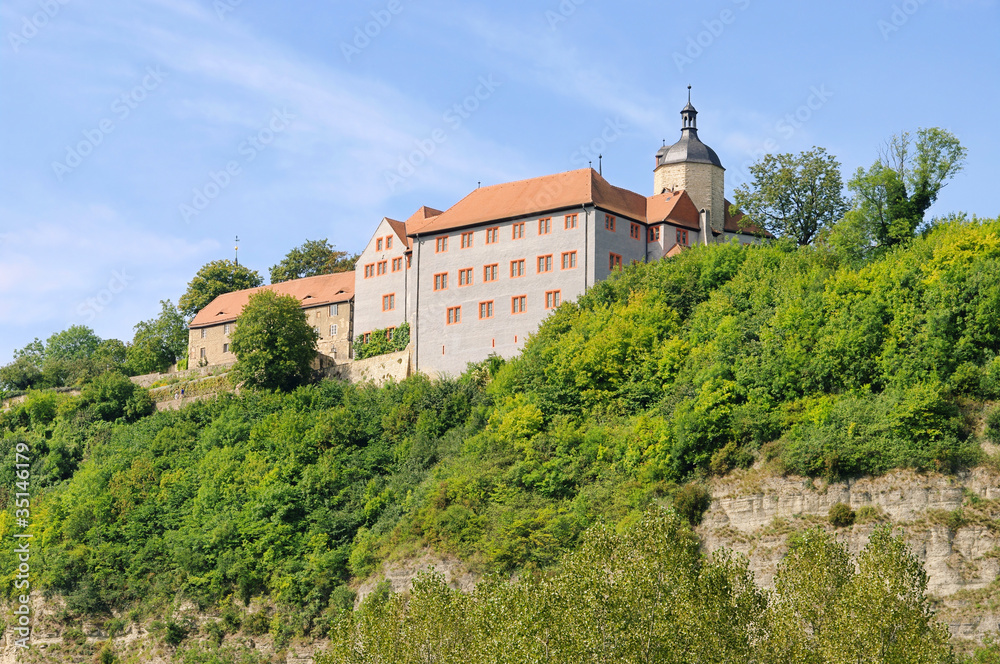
pixel 78 342
pixel 892 196
pixel 158 342
pixel 794 196
pixel 110 354
pixel 214 279
pixel 312 258
pixel 273 342
pixel 26 369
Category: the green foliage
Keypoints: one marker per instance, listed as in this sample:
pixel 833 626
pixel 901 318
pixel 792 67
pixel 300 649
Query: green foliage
pixel 993 426
pixel 381 342
pixel 112 396
pixel 67 359
pixel 77 342
pixel 158 342
pixel 841 515
pixel 721 357
pixel 648 595
pixel 214 279
pixel 312 258
pixel 273 342
pixel 892 196
pixel 175 632
pixel 692 501
pixel 794 196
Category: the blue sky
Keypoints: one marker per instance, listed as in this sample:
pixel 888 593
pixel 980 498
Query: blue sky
pixel 139 138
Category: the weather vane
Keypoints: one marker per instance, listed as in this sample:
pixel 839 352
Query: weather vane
pixel 237 250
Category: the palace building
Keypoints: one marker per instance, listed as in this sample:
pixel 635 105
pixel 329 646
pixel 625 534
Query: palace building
pixel 479 277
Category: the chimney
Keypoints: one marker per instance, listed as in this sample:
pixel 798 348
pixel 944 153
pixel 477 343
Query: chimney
pixel 706 228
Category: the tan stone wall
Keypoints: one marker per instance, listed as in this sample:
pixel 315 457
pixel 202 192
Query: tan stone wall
pixel 379 369
pixel 321 319
pixel 214 339
pixel 704 183
pixel 209 343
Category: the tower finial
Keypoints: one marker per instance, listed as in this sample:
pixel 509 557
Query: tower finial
pixel 237 250
pixel 689 93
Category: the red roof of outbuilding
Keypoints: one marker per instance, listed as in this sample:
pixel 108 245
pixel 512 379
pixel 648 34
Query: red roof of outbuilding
pixel 310 291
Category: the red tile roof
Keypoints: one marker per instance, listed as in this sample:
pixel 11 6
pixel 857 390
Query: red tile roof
pixel 675 207
pixel 310 291
pixel 558 192
pixel 534 196
pixel 417 220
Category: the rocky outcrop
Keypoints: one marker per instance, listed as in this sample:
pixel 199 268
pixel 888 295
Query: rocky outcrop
pixel 948 521
pixel 400 574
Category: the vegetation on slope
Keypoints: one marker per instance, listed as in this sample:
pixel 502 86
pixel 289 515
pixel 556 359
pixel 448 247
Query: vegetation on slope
pixel 669 371
pixel 648 595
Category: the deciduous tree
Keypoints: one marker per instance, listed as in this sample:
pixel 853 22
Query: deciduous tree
pixel 273 342
pixel 794 196
pixel 214 279
pixel 312 258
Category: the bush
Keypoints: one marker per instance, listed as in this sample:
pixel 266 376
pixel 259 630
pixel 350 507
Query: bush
pixel 841 515
pixel 176 632
pixel 692 501
pixel 729 457
pixel 993 426
pixel 256 624
pixel 870 514
pixel 112 396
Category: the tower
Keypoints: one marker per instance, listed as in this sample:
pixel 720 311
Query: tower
pixel 691 165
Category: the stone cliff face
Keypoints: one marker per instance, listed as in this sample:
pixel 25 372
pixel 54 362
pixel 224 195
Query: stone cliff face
pixel 949 521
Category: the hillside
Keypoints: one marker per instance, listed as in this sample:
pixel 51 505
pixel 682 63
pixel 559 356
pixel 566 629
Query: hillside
pixel 794 362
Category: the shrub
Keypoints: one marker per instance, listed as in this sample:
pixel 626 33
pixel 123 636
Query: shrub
pixel 841 515
pixel 176 632
pixel 993 426
pixel 692 501
pixel 870 514
pixel 256 624
pixel 728 457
